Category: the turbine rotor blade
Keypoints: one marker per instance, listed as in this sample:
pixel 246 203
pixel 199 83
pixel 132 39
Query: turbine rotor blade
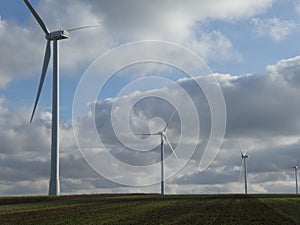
pixel 37 17
pixel 148 134
pixel 80 28
pixel 288 168
pixel 241 148
pixel 169 143
pixel 170 117
pixel 44 70
pixel 298 163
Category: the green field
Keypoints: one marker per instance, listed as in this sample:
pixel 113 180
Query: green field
pixel 151 209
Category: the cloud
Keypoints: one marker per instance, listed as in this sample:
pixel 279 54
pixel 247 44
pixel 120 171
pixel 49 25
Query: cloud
pixel 290 68
pixel 297 7
pixel 3 110
pixel 214 45
pixel 173 21
pixel 259 116
pixel 25 150
pixel 262 113
pixel 277 29
pixel 258 106
pixel 23 45
pixel 16 42
pixel 178 22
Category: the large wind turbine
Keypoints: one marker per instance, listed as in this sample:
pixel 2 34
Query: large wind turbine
pixel 163 137
pixel 296 175
pixel 244 157
pixel 53 37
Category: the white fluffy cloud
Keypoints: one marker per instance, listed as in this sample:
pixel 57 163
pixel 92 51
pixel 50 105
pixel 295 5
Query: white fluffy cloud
pixel 16 42
pixel 275 28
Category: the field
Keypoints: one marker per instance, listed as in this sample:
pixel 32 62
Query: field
pixel 151 209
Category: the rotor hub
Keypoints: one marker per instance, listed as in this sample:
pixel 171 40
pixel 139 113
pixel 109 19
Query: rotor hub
pixel 58 35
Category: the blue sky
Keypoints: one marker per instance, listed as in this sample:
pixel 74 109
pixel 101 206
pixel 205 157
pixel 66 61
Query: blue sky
pixel 252 46
pixel 243 36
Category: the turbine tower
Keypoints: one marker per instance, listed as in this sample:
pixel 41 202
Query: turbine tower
pixel 244 157
pixel 163 137
pixel 296 176
pixel 54 37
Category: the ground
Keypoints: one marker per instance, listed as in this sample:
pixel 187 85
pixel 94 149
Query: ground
pixel 151 209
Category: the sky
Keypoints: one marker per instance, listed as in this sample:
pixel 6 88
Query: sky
pixel 229 69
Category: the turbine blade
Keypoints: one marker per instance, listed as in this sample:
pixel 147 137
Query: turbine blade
pixel 170 117
pixel 148 134
pixel 169 143
pixel 44 70
pixel 37 17
pixel 241 169
pixel 80 28
pixel 288 168
pixel 241 148
pixel 298 163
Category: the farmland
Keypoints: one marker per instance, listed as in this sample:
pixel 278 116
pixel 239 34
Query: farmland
pixel 151 209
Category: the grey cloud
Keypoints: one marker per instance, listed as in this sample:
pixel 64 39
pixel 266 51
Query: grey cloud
pixel 261 104
pixel 259 115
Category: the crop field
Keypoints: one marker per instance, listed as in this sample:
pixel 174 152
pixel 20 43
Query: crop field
pixel 151 209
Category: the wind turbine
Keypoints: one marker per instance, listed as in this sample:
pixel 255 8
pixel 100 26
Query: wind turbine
pixel 163 137
pixel 244 157
pixel 55 37
pixel 296 175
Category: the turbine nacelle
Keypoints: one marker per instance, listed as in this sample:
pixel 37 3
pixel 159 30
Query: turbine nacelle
pixel 297 165
pixel 162 133
pixel 244 156
pixel 58 35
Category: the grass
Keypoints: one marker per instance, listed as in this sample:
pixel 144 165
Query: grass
pixel 151 209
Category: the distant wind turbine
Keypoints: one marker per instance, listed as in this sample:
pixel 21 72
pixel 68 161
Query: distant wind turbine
pixel 55 36
pixel 244 157
pixel 296 167
pixel 163 137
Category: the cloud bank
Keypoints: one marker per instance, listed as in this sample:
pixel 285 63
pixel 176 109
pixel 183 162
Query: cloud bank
pixel 262 112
